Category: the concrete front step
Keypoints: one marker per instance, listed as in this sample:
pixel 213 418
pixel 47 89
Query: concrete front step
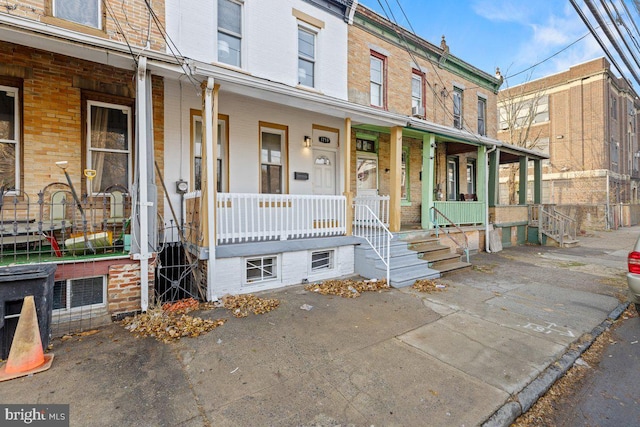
pixel 454 266
pixel 440 257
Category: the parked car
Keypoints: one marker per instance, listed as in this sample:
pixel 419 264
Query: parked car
pixel 633 275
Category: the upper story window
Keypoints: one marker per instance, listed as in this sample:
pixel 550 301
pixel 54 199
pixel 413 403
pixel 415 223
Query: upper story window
pixel 417 100
pixel 614 107
pixel 482 116
pixel 377 79
pixel 109 144
pixel 9 137
pixel 229 32
pixel 306 57
pixel 84 12
pixel 457 107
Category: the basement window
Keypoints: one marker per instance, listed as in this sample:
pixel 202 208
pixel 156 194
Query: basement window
pixel 79 294
pixel 261 269
pixel 322 260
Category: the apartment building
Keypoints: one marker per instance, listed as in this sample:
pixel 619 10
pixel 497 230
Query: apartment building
pixel 585 119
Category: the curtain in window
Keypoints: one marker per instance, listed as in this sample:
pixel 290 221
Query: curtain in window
pixel 99 120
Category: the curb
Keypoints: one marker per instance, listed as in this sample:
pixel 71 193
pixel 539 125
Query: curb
pixel 529 395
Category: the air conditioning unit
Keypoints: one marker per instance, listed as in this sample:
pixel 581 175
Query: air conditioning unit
pixel 417 112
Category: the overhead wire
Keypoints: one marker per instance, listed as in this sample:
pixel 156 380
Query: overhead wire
pixel 121 30
pixel 464 124
pixel 405 46
pixel 180 59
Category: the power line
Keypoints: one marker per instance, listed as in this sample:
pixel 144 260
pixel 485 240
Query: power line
pixel 547 58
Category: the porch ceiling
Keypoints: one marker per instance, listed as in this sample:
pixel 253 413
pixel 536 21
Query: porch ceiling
pixel 459 148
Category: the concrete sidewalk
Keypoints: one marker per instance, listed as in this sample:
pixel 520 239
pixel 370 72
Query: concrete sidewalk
pixel 391 358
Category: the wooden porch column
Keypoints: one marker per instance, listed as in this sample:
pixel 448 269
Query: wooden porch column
pixel 537 181
pixel 494 177
pixel 395 179
pixel 347 176
pixel 524 180
pixel 208 184
pixel 428 162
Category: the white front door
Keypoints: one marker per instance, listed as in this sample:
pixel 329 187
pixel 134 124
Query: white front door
pixel 324 172
pixel 367 175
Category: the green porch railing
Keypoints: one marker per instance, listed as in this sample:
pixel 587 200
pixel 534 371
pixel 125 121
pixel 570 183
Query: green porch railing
pixel 461 213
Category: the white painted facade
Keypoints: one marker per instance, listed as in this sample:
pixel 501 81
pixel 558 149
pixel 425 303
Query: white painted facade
pixel 270 53
pixel 245 115
pixel 269 39
pixel 293 268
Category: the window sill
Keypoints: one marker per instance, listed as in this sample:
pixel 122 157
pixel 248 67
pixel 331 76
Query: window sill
pixel 69 25
pixel 405 202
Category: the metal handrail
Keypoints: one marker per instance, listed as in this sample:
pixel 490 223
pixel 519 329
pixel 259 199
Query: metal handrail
pixel 379 242
pixel 434 211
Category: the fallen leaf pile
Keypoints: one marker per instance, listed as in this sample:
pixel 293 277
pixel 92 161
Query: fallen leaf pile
pixel 347 288
pixel 427 286
pixel 240 305
pixel 182 306
pixel 167 326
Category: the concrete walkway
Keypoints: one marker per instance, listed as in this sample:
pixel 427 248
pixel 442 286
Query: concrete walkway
pixel 396 358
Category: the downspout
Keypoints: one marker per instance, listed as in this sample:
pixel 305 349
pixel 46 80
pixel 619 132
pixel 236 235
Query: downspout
pixel 143 201
pixel 211 186
pixel 351 12
pixel 486 198
pixel 608 212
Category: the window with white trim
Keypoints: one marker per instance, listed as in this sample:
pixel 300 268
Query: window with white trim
pixel 261 269
pixel 84 12
pixel 471 176
pixel 482 116
pixel 196 150
pixel 9 137
pixel 230 32
pixel 416 92
pixel 457 107
pixel 377 77
pixel 79 294
pixel 306 57
pixel 109 144
pixel 322 260
pixel 273 159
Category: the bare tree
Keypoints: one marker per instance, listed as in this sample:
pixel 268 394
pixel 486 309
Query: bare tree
pixel 520 110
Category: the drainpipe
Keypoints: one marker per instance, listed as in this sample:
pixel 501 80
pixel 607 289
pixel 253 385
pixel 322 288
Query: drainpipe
pixel 486 199
pixel 143 201
pixel 211 185
pixel 607 213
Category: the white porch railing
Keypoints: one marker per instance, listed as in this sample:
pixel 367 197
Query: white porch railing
pixel 260 217
pixel 379 206
pixel 367 225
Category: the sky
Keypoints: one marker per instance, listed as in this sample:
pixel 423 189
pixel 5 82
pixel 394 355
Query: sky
pixel 511 34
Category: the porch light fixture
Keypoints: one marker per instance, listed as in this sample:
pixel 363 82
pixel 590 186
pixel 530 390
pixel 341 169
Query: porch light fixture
pixel 307 141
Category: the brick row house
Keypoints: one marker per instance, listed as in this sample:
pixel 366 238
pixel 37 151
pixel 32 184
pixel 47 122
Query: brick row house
pixel 585 120
pixel 232 146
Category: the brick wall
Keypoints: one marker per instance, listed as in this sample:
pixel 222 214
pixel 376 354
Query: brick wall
pixel 123 288
pixel 581 127
pixel 123 21
pixel 439 109
pixel 52 119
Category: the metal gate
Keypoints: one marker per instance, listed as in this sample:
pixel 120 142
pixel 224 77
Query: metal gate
pixel 177 275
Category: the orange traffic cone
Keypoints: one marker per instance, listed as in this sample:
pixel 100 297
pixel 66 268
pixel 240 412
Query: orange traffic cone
pixel 26 355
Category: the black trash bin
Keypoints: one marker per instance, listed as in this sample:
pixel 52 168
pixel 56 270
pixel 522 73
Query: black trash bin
pixel 16 283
